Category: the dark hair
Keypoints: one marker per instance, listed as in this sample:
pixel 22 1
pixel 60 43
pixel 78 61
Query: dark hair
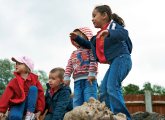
pixel 106 9
pixel 60 70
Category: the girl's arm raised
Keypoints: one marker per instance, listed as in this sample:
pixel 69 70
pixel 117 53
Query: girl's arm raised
pixel 81 41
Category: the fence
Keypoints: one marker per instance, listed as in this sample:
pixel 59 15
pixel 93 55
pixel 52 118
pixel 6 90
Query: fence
pixel 145 103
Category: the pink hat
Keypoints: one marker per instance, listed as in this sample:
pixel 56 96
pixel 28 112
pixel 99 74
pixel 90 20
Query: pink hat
pixel 27 61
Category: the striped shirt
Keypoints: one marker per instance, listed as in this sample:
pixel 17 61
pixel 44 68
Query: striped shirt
pixel 81 64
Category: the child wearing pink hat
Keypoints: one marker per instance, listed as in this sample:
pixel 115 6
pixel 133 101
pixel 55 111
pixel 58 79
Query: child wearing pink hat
pixel 24 93
pixel 84 69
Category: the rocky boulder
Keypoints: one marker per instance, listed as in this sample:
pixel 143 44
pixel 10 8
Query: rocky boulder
pixel 93 110
pixel 147 116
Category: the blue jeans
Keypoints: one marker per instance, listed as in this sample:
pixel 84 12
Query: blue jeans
pixel 17 111
pixel 110 88
pixel 83 90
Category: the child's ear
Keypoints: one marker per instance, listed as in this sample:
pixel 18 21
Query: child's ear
pixel 105 15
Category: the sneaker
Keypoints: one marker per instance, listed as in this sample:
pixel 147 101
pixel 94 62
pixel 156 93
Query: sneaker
pixel 30 116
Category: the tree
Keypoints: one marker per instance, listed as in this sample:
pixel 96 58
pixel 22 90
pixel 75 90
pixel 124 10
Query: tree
pixel 155 90
pixel 158 90
pixel 43 78
pixel 6 73
pixel 2 88
pixel 147 86
pixel 134 89
pixel 131 89
pixel 6 70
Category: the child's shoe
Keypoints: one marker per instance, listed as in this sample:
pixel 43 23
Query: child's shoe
pixel 30 116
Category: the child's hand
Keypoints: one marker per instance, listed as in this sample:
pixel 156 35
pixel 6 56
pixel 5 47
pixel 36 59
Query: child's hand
pixel 103 34
pixel 1 115
pixel 38 115
pixel 73 35
pixel 91 78
pixel 67 82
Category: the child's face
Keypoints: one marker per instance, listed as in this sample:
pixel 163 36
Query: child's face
pixel 21 68
pixel 54 80
pixel 98 19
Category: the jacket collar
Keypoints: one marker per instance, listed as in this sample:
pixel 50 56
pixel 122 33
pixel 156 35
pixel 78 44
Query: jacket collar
pixel 30 76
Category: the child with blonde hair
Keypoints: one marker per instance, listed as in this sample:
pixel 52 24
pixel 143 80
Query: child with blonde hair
pixel 24 94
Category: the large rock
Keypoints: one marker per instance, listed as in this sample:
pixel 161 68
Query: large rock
pixel 147 116
pixel 93 110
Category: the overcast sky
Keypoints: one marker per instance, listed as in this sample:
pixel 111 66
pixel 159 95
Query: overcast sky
pixel 40 29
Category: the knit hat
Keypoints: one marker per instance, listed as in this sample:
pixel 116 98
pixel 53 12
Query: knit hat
pixel 86 31
pixel 27 61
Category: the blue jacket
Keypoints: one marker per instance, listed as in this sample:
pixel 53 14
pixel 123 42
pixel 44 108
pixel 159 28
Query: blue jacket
pixel 60 103
pixel 117 43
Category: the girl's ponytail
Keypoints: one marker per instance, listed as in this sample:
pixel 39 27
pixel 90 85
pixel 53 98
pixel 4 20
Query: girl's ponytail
pixel 118 19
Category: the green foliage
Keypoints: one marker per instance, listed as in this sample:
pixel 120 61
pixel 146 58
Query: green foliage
pixel 6 73
pixel 2 88
pixel 158 90
pixel 42 77
pixel 147 86
pixel 132 89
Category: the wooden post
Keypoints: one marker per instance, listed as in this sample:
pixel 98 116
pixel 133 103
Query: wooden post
pixel 148 101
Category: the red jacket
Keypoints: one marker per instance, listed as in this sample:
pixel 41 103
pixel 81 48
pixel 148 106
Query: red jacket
pixel 14 93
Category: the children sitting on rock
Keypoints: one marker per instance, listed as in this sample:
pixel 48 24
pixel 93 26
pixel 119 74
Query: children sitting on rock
pixel 58 96
pixel 24 94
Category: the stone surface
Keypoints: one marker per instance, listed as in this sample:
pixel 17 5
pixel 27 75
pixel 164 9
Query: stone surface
pixel 147 116
pixel 93 110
